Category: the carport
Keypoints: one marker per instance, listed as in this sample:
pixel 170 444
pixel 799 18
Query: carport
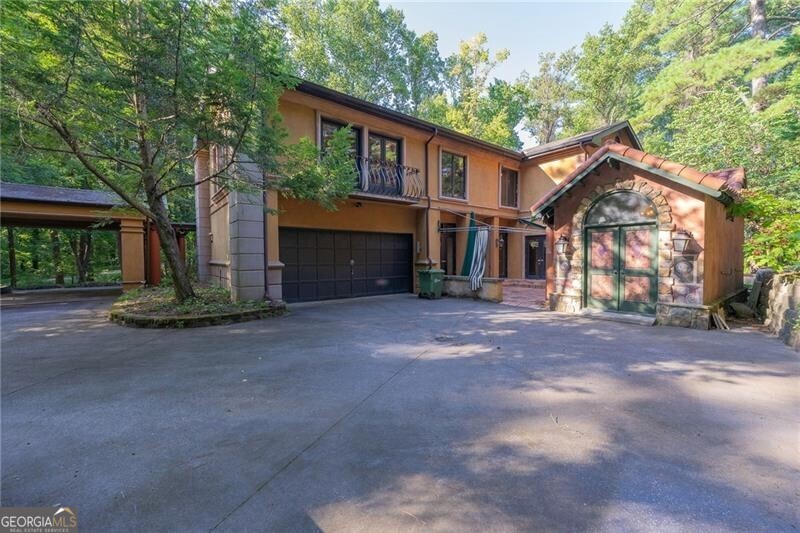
pixel 32 206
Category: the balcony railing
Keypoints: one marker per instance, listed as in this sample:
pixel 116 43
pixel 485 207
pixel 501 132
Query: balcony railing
pixel 389 179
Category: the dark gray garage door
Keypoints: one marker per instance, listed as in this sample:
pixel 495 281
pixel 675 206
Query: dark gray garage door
pixel 323 264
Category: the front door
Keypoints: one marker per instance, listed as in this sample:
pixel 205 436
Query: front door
pixel 535 258
pixel 621 269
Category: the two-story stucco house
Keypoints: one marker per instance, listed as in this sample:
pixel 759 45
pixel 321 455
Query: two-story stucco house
pixel 419 185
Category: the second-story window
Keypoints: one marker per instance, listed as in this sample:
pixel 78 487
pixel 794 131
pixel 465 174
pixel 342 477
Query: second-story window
pixel 384 149
pixel 329 127
pixel 454 175
pixel 509 187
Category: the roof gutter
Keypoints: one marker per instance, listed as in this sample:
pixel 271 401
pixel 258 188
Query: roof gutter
pixel 389 114
pixel 428 197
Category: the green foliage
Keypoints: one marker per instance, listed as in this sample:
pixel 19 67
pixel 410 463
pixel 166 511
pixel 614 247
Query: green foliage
pixel 773 235
pixel 362 49
pixel 324 176
pixel 608 73
pixel 472 102
pixel 550 95
pixel 120 91
pixel 38 267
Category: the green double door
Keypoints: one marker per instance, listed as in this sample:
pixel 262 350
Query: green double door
pixel 622 268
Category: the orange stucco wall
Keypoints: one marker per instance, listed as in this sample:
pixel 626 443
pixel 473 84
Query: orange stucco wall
pixel 539 176
pixel 301 115
pixel 724 265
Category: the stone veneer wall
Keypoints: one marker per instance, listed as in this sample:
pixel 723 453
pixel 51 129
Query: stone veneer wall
pixel 246 233
pixel 672 307
pixel 783 308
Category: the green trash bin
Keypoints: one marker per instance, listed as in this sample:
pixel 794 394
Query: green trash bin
pixel 430 283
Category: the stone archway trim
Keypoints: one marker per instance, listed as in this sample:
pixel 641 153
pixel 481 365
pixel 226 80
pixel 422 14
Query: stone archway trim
pixel 572 281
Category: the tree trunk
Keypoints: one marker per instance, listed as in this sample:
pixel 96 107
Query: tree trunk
pixel 85 249
pixel 35 249
pixel 12 257
pixel 55 243
pixel 81 251
pixel 169 245
pixel 758 22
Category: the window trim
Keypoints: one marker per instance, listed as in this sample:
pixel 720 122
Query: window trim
pixel 357 129
pixel 466 175
pixel 401 145
pixel 500 187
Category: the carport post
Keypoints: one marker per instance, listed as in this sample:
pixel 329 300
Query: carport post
pixel 131 231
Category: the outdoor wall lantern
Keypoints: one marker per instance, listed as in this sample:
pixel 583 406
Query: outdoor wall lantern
pixel 501 242
pixel 561 245
pixel 681 240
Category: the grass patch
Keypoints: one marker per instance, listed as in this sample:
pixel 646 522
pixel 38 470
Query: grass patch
pixel 160 301
pixel 157 307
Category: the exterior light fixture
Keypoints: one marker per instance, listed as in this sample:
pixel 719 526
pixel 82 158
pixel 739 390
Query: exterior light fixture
pixel 561 245
pixel 681 240
pixel 501 242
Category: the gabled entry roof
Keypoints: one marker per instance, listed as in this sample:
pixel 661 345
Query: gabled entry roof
pixel 588 137
pixel 721 184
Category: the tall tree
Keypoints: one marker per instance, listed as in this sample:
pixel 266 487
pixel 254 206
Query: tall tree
pixel 125 88
pixel 609 73
pixel 550 94
pixel 473 102
pixel 362 49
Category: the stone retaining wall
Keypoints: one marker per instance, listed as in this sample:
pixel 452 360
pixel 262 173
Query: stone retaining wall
pixel 783 308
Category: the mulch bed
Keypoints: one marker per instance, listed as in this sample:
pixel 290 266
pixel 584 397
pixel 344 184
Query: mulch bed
pixel 156 307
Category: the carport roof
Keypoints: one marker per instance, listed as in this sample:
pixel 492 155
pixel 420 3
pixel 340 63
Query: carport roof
pixel 58 195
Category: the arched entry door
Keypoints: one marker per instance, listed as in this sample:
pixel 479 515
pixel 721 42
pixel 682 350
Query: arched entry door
pixel 621 254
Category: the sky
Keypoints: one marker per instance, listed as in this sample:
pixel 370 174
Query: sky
pixel 524 28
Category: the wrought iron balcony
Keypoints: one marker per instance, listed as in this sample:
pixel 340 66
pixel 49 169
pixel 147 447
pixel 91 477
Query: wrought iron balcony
pixel 389 179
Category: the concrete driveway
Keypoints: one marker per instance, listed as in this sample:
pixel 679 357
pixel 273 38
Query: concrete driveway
pixel 395 413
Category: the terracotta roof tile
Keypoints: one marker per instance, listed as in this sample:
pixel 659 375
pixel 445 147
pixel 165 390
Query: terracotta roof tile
pixel 729 180
pixel 653 161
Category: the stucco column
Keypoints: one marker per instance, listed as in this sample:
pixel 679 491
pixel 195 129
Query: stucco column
pixel 427 221
pixel 131 232
pixel 247 243
pixel 515 243
pixel 493 250
pixel 202 204
pixel 274 264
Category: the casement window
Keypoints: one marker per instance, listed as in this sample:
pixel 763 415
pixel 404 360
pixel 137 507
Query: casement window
pixel 329 127
pixel 384 149
pixel 454 175
pixel 509 187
